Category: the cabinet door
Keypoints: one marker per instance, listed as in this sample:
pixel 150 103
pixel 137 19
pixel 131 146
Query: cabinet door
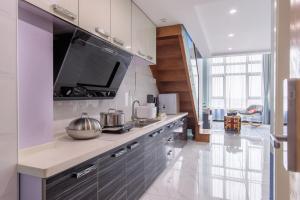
pixel 135 169
pixel 112 174
pixel 65 9
pixel 139 32
pixel 94 16
pixel 151 41
pixel 121 23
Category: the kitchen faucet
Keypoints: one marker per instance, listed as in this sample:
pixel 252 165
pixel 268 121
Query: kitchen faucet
pixel 133 114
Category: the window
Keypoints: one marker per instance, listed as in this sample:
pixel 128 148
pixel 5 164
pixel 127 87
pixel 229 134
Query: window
pixel 218 69
pixel 217 84
pixel 255 84
pixel 235 91
pixel 236 81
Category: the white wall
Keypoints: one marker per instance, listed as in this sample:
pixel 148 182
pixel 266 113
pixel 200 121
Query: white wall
pixel 137 83
pixel 8 106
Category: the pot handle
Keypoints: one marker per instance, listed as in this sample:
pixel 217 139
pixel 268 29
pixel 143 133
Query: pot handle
pixel 84 115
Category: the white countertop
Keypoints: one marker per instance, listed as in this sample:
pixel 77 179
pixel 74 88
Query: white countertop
pixel 63 153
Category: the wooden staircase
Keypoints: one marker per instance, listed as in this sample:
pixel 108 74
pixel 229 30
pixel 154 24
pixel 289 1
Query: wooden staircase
pixel 172 75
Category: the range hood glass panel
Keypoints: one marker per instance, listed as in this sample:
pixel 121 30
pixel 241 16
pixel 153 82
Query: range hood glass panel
pixel 89 62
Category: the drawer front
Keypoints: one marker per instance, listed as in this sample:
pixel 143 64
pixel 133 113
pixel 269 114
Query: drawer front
pixel 113 190
pixel 151 138
pixel 84 190
pixel 69 180
pixel 110 174
pixel 149 157
pixel 121 196
pixel 132 172
pixel 89 193
pixel 111 157
pixel 136 187
pixel 150 175
pixel 135 151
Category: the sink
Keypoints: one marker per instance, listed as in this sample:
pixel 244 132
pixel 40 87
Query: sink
pixel 141 123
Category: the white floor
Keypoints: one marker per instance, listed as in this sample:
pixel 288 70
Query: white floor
pixel 231 167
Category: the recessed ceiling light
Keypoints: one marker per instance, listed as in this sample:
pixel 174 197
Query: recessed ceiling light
pixel 232 11
pixel 163 20
pixel 229 49
pixel 231 35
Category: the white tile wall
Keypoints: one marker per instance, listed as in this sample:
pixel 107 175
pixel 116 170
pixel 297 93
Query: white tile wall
pixel 137 83
pixel 8 105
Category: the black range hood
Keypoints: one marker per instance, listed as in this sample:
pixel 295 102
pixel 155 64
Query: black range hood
pixel 86 67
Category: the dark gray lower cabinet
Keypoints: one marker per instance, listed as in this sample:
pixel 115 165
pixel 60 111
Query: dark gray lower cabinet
pixel 79 182
pixel 123 173
pixel 112 174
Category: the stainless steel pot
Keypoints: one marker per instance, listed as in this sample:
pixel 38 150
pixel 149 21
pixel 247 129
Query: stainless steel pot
pixel 120 118
pixel 113 118
pixel 84 128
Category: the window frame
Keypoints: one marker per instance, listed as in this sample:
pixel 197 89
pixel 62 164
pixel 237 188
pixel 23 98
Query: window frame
pixel 246 73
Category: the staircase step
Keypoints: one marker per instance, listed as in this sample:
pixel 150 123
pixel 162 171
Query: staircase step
pixel 165 64
pixel 168 41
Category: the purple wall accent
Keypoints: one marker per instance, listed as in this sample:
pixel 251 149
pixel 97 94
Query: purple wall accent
pixel 35 69
pixel 31 188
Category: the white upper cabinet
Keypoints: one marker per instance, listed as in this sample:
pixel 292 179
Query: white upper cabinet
pixel 94 17
pixel 143 35
pixel 151 41
pixel 139 31
pixel 65 9
pixel 118 21
pixel 121 23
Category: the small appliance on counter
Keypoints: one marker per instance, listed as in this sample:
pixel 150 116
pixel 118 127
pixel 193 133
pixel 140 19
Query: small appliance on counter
pixel 148 111
pixel 169 103
pixel 113 121
pixel 84 128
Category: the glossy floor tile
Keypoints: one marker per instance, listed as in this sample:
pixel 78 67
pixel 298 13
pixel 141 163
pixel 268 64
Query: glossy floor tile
pixel 231 167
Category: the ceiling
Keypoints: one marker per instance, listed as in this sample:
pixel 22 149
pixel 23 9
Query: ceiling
pixel 209 23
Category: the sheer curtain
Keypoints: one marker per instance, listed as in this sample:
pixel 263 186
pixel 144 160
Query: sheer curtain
pixel 235 92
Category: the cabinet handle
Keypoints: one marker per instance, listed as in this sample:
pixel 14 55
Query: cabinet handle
pixel 119 153
pixel 150 57
pixel 153 135
pixel 141 53
pixel 118 41
pixel 134 145
pixel 160 131
pixel 169 153
pixel 170 125
pixel 101 32
pixel 84 172
pixel 65 12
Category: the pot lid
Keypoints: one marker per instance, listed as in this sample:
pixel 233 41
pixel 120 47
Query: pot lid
pixel 84 123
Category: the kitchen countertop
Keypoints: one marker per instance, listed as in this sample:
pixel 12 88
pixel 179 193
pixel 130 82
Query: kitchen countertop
pixel 63 153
